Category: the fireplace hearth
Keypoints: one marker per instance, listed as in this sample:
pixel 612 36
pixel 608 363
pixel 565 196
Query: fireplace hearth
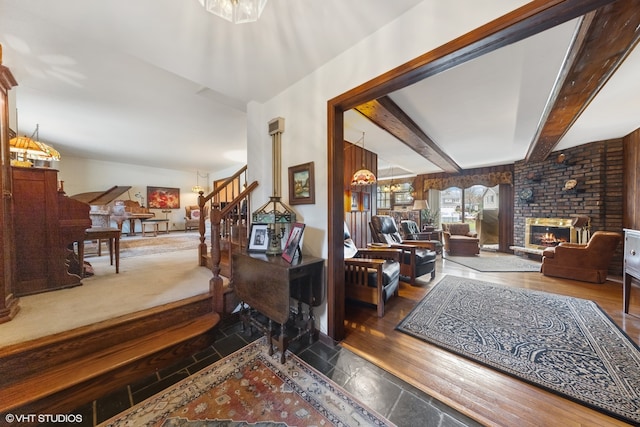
pixel 541 233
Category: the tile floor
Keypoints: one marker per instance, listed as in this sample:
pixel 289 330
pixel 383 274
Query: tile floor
pixel 401 403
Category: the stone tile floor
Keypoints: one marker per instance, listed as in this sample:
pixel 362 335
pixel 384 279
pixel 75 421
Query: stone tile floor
pixel 398 401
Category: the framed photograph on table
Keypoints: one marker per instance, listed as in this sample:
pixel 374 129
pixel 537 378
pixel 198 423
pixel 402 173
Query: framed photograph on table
pixel 293 242
pixel 259 238
pixel 301 185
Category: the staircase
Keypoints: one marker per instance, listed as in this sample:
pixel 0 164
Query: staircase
pixel 230 210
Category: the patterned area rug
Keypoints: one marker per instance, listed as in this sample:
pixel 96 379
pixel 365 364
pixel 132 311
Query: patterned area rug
pixel 501 263
pixel 159 244
pixel 566 345
pixel 250 387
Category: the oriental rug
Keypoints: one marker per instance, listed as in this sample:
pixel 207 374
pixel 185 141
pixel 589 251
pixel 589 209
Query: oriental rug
pixel 250 387
pixel 496 263
pixel 566 345
pixel 160 244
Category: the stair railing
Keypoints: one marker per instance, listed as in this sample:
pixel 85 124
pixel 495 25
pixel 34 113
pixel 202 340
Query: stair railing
pixel 229 223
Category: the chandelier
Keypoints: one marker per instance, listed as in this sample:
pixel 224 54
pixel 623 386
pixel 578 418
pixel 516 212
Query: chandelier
pixel 236 11
pixel 363 176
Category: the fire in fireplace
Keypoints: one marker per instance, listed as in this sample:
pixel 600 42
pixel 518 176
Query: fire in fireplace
pixel 542 233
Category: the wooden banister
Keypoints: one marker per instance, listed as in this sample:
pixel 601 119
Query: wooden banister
pixel 229 228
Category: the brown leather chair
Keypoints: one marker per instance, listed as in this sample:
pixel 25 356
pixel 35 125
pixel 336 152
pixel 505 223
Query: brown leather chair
pixel 371 276
pixel 459 240
pixel 587 263
pixel 419 256
pixel 191 220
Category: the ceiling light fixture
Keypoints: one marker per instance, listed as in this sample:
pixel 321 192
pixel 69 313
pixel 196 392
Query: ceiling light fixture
pixel 197 188
pixel 236 11
pixel 363 176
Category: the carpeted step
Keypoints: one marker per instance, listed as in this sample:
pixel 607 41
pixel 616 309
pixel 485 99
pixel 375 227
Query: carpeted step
pixel 65 386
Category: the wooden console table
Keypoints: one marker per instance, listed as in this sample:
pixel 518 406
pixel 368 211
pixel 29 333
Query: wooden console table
pixel 99 233
pixel 267 283
pixel 631 263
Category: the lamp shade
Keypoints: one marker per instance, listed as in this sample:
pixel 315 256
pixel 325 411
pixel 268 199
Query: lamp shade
pixel 419 205
pixel 363 177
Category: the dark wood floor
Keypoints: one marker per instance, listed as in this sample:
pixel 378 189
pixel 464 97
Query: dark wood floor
pixel 488 396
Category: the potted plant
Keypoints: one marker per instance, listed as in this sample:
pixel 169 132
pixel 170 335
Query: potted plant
pixel 429 218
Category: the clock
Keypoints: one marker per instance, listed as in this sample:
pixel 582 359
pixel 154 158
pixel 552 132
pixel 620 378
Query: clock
pixel 526 194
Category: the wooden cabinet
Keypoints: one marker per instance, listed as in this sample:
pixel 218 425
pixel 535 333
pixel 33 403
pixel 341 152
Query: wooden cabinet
pixel 631 263
pixel 268 283
pixel 47 223
pixel 9 305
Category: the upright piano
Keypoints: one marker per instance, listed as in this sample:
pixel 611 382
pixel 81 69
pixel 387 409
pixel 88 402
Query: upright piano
pixel 107 207
pixel 47 224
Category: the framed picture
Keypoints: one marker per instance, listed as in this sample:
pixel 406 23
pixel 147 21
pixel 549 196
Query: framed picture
pixel 163 198
pixel 293 242
pixel 259 238
pixel 366 201
pixel 355 200
pixel 301 185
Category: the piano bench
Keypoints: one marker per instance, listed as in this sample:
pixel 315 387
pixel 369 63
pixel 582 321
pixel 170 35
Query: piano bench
pixel 154 226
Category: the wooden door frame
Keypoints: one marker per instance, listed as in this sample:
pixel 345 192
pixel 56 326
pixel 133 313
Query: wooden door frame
pixel 530 19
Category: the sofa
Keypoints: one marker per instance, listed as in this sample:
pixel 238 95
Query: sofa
pixel 586 263
pixel 460 240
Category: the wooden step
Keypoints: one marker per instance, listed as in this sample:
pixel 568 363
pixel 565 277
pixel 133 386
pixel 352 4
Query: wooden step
pixel 66 383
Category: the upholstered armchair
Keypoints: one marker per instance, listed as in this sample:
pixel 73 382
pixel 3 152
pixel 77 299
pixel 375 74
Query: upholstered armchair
pixel 587 263
pixel 460 240
pixel 192 216
pixel 371 276
pixel 411 231
pixel 418 256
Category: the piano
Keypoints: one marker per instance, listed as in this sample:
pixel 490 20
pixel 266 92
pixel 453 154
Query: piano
pixel 47 225
pixel 106 207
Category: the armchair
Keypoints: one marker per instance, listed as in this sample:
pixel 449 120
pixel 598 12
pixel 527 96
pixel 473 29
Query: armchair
pixel 192 216
pixel 459 240
pixel 411 231
pixel 418 256
pixel 587 263
pixel 371 276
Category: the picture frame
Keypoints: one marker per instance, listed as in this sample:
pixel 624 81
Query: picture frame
pixel 355 201
pixel 258 238
pixel 366 201
pixel 292 247
pixel 163 198
pixel 302 184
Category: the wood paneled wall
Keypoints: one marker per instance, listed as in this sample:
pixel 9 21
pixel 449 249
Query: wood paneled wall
pixel 357 218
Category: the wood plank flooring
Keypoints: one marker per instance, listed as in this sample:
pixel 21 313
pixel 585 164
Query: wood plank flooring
pixel 488 396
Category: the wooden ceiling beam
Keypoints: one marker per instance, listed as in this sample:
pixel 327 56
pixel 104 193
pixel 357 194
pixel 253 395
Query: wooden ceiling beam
pixel 604 40
pixel 387 115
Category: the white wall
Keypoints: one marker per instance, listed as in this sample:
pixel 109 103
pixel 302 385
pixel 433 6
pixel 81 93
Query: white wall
pixel 85 175
pixel 304 105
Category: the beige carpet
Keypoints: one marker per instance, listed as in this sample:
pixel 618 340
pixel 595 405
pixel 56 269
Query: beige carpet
pixel 143 282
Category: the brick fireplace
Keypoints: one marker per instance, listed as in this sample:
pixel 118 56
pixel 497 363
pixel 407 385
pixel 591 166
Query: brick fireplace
pixel 541 233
